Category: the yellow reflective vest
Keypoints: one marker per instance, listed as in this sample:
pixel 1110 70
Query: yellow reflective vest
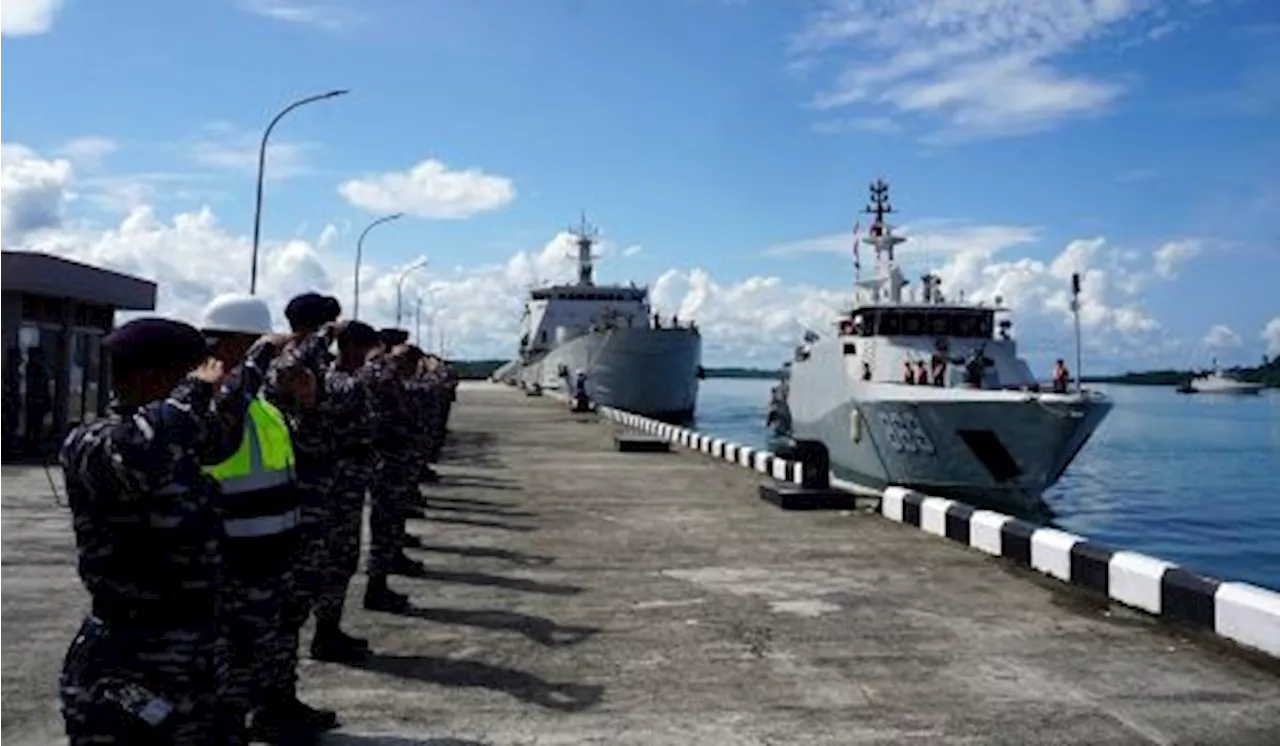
pixel 258 482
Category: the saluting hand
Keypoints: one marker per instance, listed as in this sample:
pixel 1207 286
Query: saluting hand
pixel 210 371
pixel 277 341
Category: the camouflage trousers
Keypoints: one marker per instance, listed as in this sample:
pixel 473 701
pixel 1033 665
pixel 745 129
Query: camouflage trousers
pixel 395 485
pixel 115 684
pixel 313 549
pixel 263 664
pixel 351 481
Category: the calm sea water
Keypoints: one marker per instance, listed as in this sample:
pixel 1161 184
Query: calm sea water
pixel 1191 479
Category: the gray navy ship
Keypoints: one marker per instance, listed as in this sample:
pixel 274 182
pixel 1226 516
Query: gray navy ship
pixel 928 393
pixel 608 336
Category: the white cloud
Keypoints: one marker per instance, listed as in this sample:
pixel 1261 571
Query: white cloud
pixel 1271 336
pixel 872 125
pixel 752 321
pixel 193 257
pixel 33 192
pixel 284 159
pixel 632 250
pixel 970 259
pixel 1172 255
pixel 1221 337
pixel 88 150
pixel 1134 175
pixel 430 189
pixel 323 16
pixel 27 17
pixel 984 68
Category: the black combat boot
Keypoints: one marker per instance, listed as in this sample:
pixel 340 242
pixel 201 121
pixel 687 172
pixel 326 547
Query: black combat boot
pixel 429 476
pixel 409 541
pixel 378 597
pixel 403 565
pixel 333 645
pixel 286 721
pixel 417 513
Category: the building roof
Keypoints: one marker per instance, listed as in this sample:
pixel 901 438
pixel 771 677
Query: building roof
pixel 45 274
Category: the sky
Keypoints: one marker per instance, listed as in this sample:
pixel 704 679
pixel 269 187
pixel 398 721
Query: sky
pixel 723 148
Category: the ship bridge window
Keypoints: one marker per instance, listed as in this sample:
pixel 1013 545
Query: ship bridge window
pixel 971 324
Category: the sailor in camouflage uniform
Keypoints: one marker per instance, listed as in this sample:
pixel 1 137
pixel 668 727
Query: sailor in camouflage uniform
pixel 424 388
pixel 451 395
pixel 311 317
pixel 260 504
pixel 147 665
pixel 394 484
pixel 350 388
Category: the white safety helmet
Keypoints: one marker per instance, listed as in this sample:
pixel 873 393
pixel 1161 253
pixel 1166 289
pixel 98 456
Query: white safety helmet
pixel 237 314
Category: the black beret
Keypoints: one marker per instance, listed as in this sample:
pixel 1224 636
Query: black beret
pixel 392 337
pixel 332 309
pixel 308 309
pixel 157 341
pixel 357 334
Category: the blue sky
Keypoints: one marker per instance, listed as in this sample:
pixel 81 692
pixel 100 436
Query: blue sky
pixel 718 144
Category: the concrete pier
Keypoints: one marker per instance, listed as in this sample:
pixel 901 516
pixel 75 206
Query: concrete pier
pixel 578 594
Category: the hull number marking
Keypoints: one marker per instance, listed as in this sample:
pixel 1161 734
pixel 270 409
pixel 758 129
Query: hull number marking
pixel 906 434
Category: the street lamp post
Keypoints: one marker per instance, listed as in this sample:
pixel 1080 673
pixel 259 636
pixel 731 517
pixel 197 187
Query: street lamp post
pixel 355 290
pixel 400 285
pixel 417 321
pixel 262 163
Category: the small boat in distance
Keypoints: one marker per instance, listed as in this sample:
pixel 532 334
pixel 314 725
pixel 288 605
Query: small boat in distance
pixel 1217 382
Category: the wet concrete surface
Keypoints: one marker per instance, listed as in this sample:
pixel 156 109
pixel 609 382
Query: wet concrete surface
pixel 578 595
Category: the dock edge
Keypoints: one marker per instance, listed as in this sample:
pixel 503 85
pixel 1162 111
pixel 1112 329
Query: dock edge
pixel 1246 614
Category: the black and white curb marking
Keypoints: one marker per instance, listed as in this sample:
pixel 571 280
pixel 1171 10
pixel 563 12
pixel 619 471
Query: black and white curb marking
pixel 1241 612
pixel 752 458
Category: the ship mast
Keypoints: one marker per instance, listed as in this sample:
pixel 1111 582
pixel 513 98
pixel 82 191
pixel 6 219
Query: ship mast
pixel 584 237
pixel 880 236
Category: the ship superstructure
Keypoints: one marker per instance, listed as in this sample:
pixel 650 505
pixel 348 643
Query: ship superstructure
pixel 631 357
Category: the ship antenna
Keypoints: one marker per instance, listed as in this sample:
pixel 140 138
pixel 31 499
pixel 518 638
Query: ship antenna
pixel 878 207
pixel 584 236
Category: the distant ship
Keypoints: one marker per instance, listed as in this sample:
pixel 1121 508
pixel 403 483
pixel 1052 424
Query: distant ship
pixel 630 358
pixel 976 428
pixel 1217 382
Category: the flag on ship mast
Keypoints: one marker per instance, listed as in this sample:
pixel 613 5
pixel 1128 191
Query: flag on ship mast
pixel 857 266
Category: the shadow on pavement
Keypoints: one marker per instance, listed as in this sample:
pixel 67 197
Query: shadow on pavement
pixel 564 697
pixel 354 739
pixel 519 558
pixel 539 629
pixel 495 512
pixel 498 581
pixel 477 522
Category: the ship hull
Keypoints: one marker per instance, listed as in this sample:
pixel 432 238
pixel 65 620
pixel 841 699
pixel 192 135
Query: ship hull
pixel 651 372
pixel 1004 451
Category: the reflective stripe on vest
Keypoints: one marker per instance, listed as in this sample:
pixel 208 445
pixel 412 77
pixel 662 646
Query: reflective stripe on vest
pixel 263 462
pixel 249 528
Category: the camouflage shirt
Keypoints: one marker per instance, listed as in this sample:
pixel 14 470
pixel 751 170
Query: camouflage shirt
pixel 355 416
pixel 145 517
pixel 311 427
pixel 396 423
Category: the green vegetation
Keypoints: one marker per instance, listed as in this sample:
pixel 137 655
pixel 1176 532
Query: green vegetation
pixel 1268 374
pixel 742 373
pixel 476 370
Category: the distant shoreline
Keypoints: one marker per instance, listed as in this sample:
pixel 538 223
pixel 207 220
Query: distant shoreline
pixel 1268 375
pixel 476 370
